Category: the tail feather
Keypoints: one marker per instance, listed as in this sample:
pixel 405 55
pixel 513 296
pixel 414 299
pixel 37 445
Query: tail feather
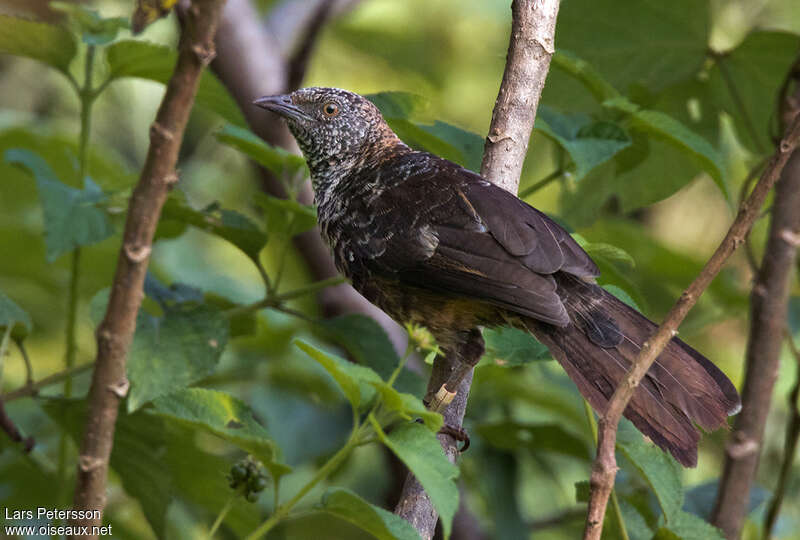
pixel 681 389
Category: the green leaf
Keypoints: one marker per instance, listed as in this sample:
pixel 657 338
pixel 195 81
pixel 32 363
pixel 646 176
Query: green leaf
pixel 589 143
pixel 586 74
pixel 225 416
pixel 286 217
pixel 129 58
pixel 686 526
pixel 401 105
pixel 582 491
pixel 622 295
pixel 53 45
pixel 70 215
pixel 355 381
pixel 700 499
pixel 171 352
pixel 419 449
pixel 666 128
pixel 407 114
pixel 381 524
pixel 659 469
pixel 364 338
pixel 654 44
pixel 605 251
pixel 507 346
pixel 94 29
pixel 230 225
pixel 407 407
pixel 11 315
pixel 277 160
pixel 756 68
pixel 512 435
pixel 794 314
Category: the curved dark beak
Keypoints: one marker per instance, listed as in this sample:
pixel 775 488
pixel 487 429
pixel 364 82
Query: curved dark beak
pixel 281 105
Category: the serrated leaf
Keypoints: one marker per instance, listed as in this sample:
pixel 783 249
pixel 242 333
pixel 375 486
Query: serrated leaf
pixel 589 143
pixel 93 29
pixel 230 225
pixel 659 469
pixel 757 67
pixel 70 215
pixel 672 131
pixel 53 45
pixel 129 58
pixel 285 217
pixel 656 44
pixel 605 251
pixel 12 315
pixel 378 522
pixel 509 346
pixel 364 338
pixel 407 407
pixel 512 435
pixel 224 416
pixel 685 526
pixel 355 381
pixel 277 160
pixel 419 449
pixel 171 352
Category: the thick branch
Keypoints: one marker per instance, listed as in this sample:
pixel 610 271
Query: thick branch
pixel 114 335
pixel 529 51
pixel 604 468
pixel 768 308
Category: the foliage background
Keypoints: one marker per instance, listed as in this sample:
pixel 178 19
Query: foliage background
pixel 651 201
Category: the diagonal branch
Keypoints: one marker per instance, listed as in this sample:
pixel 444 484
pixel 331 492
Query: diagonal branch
pixel 604 469
pixel 768 308
pixel 114 335
pixel 531 45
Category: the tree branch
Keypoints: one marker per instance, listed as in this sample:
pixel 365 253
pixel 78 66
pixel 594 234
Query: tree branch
pixel 768 308
pixel 530 49
pixel 114 335
pixel 604 468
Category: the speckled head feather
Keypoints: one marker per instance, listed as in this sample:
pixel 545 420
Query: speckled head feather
pixel 335 129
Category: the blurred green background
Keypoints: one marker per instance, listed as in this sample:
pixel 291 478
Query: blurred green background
pixel 660 207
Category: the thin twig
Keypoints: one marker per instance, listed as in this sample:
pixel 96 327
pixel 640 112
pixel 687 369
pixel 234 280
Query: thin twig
pixel 789 447
pixel 33 388
pixel 768 310
pixel 115 333
pixel 604 468
pixel 298 63
pixel 26 359
pixel 10 428
pixel 529 52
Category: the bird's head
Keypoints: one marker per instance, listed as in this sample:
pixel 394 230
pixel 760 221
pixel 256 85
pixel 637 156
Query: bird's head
pixel 333 127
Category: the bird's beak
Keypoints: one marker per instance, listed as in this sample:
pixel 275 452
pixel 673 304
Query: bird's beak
pixel 281 105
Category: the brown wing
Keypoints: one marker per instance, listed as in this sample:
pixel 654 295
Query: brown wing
pixel 447 229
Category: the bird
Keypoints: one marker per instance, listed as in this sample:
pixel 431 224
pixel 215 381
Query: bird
pixel 434 244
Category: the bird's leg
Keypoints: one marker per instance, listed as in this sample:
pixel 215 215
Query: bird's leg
pixel 449 369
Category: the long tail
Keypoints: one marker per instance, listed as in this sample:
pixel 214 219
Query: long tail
pixel 681 389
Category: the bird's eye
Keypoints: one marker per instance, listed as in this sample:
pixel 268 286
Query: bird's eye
pixel 330 109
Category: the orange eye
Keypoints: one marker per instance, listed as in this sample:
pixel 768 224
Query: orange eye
pixel 330 109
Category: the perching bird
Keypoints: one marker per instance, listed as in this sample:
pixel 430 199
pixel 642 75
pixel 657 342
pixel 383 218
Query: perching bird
pixel 432 243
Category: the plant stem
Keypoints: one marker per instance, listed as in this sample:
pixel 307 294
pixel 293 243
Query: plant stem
pixel 4 348
pixel 329 466
pixel 547 180
pixel 34 387
pixel 276 300
pixel 614 501
pixel 27 360
pixel 222 514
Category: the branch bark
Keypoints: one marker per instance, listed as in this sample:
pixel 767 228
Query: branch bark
pixel 530 48
pixel 768 310
pixel 604 468
pixel 114 335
